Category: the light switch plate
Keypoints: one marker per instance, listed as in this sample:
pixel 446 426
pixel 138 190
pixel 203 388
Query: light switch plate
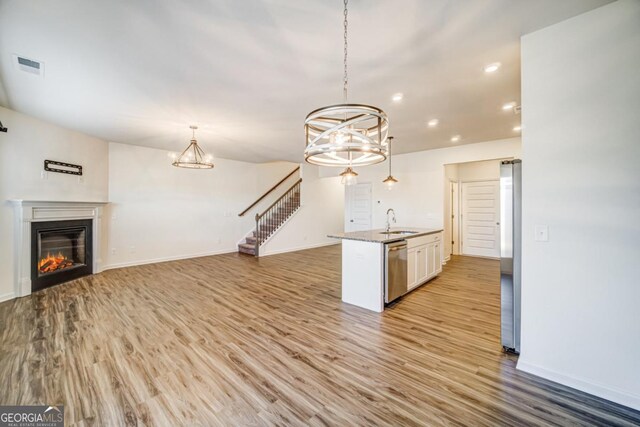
pixel 542 233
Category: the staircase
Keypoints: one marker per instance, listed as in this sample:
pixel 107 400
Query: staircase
pixel 269 221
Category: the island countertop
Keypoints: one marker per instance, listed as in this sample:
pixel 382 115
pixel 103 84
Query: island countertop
pixel 380 235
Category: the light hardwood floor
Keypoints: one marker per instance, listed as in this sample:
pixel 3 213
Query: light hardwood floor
pixel 234 340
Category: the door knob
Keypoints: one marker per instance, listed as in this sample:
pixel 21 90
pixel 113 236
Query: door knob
pixel 350 220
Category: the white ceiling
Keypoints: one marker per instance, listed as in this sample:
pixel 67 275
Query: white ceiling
pixel 248 72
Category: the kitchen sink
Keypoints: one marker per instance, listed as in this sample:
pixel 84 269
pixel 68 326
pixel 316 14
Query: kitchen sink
pixel 400 232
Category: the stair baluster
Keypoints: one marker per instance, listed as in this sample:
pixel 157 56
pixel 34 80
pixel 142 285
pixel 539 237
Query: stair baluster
pixel 269 221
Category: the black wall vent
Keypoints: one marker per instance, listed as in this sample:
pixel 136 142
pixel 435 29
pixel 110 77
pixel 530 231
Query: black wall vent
pixel 29 65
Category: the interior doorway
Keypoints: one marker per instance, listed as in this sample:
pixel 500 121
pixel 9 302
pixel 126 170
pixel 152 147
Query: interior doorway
pixel 451 235
pixel 472 209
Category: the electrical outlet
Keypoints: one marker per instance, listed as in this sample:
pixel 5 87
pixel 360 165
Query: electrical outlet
pixel 80 179
pixel 113 251
pixel 132 249
pixel 219 240
pixel 44 175
pixel 542 233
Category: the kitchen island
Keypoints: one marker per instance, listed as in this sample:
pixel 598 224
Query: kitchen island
pixel 364 262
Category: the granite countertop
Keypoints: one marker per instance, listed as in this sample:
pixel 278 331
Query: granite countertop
pixel 379 236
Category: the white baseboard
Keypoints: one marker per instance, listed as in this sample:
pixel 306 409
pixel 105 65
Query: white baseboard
pixel 599 390
pixel 166 259
pixel 299 248
pixel 7 296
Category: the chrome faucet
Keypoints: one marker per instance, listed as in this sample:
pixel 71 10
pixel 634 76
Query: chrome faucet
pixel 388 221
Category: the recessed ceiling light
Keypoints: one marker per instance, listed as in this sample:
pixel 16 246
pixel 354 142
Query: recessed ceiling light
pixel 397 97
pixel 433 123
pixel 517 128
pixel 492 68
pixel 509 106
pixel 455 138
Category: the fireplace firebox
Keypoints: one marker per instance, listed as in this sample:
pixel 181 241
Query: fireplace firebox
pixel 60 251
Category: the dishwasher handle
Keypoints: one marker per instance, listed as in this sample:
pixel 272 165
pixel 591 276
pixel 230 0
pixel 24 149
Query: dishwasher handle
pixel 396 246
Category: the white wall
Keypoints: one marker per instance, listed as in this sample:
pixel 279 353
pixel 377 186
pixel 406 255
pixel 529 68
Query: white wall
pixel 418 198
pixel 487 170
pixel 581 178
pixel 268 174
pixel 321 212
pixel 159 212
pixel 23 149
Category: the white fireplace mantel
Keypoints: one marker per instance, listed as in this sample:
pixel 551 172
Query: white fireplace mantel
pixel 28 211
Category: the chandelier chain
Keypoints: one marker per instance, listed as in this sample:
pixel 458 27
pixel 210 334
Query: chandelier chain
pixel 346 134
pixel 389 139
pixel 345 78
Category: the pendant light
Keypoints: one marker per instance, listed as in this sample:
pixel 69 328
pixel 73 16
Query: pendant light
pixel 390 181
pixel 346 134
pixel 349 177
pixel 193 157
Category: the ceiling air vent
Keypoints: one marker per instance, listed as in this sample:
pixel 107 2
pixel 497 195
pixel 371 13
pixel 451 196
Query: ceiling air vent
pixel 29 65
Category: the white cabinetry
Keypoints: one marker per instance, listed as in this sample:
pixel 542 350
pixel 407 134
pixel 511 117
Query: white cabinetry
pixel 412 265
pixel 424 259
pixel 438 257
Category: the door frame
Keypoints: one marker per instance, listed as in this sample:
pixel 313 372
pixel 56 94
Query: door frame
pixel 460 223
pixel 454 218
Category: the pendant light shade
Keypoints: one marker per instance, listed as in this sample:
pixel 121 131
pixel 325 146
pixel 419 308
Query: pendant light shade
pixel 346 134
pixel 390 181
pixel 349 177
pixel 193 157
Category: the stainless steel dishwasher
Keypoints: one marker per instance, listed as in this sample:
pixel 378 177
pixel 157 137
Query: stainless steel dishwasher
pixel 395 275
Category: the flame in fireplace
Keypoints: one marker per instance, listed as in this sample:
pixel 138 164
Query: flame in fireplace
pixel 54 262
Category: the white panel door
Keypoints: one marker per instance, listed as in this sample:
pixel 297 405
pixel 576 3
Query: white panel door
pixel 357 215
pixel 480 218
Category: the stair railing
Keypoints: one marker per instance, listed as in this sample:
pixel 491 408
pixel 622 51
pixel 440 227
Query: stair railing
pixel 269 191
pixel 275 215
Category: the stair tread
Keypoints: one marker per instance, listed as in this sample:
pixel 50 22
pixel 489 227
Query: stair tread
pixel 271 223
